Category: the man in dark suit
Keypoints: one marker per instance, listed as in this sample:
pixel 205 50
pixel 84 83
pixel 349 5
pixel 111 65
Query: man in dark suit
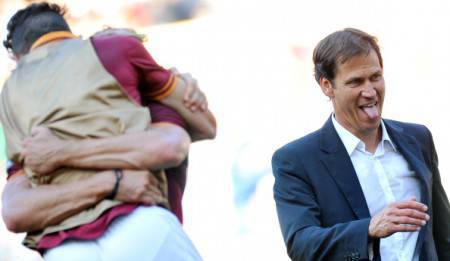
pixel 361 187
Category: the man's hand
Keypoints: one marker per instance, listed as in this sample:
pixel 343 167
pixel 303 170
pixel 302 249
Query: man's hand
pixel 405 216
pixel 193 97
pixel 139 187
pixel 42 151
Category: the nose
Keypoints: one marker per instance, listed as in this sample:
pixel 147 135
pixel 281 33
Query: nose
pixel 369 91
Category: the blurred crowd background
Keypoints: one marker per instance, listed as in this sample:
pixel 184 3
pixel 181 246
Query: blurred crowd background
pixel 253 59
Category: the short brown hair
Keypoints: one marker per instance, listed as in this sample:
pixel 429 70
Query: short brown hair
pixel 340 46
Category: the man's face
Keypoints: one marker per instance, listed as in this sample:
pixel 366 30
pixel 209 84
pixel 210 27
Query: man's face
pixel 357 93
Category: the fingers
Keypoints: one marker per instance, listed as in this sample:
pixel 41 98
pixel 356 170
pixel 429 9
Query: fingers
pixel 193 97
pixel 153 181
pixel 412 213
pixel 35 131
pixel 411 204
pixel 38 130
pixel 26 142
pixel 405 216
pixel 36 168
pixel 152 196
pixel 204 106
pixel 404 228
pixel 409 212
pixel 140 187
pixel 404 220
pixel 191 85
pixel 392 228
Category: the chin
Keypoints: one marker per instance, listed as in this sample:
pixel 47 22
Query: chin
pixel 372 126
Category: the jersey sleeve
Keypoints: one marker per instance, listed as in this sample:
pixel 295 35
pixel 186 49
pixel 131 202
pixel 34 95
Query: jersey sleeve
pixel 163 113
pixel 156 82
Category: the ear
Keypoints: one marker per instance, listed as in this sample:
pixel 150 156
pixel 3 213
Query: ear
pixel 327 87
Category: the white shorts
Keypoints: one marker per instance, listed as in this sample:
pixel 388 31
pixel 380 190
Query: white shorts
pixel 148 233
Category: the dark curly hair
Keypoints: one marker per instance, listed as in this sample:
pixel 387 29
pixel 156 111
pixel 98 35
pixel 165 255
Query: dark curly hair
pixel 339 47
pixel 30 23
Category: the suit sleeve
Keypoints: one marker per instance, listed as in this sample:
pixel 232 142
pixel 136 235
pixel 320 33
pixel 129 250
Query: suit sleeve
pixel 300 219
pixel 441 209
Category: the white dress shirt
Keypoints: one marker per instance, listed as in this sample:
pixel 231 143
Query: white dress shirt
pixel 385 177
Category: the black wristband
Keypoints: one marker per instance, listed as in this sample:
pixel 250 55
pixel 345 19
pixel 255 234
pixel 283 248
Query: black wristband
pixel 119 175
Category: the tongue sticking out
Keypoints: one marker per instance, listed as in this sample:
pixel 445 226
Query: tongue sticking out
pixel 372 112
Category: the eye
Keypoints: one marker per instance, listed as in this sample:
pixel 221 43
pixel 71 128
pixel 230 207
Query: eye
pixel 376 77
pixel 354 82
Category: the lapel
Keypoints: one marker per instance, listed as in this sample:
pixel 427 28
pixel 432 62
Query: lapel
pixel 411 151
pixel 337 161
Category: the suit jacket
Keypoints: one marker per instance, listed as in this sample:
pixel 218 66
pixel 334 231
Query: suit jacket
pixel 321 207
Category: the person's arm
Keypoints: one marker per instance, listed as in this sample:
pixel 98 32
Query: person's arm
pixel 179 91
pixel 190 102
pixel 299 215
pixel 26 208
pixel 440 207
pixel 161 146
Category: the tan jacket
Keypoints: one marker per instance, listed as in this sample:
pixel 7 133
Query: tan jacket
pixel 64 86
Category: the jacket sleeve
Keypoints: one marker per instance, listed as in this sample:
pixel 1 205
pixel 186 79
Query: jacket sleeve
pixel 441 208
pixel 299 216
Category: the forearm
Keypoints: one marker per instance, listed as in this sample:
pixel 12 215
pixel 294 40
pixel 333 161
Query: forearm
pixel 159 147
pixel 201 124
pixel 27 208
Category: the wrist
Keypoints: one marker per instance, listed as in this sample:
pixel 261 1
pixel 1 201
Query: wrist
pixel 64 153
pixel 104 181
pixel 118 174
pixel 371 233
